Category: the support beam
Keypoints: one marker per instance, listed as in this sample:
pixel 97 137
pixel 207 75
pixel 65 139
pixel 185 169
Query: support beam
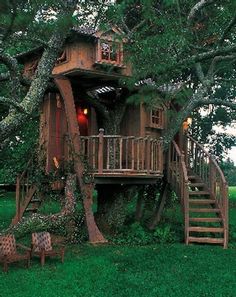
pixel 64 86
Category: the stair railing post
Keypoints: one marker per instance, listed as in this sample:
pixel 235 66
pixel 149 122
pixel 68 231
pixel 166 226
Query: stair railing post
pixel 212 178
pixel 226 213
pixel 148 154
pixel 100 151
pixel 185 200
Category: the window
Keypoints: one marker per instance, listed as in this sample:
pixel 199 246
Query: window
pixel 156 118
pixel 109 52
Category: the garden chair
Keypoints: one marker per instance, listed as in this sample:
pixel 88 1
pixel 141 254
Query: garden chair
pixel 9 252
pixel 42 247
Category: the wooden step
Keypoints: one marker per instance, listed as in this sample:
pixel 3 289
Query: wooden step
pixel 199 193
pixel 33 209
pixel 205 220
pixel 206 229
pixel 36 201
pixel 193 177
pixel 204 210
pixel 202 201
pixel 206 240
pixel 197 185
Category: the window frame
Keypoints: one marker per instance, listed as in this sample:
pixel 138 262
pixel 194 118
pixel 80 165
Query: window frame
pixel 156 121
pixel 117 46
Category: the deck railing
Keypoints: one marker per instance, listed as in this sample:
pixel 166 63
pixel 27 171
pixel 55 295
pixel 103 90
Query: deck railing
pixel 178 178
pixel 107 154
pixel 201 163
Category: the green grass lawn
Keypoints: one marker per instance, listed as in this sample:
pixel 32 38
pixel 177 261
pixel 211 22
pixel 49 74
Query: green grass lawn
pixel 106 271
pixel 232 193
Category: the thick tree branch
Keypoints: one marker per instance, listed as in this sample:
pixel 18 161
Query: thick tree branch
pixel 227 30
pixel 216 60
pixel 39 84
pixel 199 72
pixel 211 54
pixel 12 65
pixel 198 7
pixel 220 102
pixel 11 103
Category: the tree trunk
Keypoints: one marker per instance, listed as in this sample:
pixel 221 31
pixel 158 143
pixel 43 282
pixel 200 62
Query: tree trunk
pixel 165 191
pixel 139 205
pixel 64 85
pixel 111 207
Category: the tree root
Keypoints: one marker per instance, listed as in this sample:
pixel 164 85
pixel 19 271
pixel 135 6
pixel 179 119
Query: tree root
pixel 58 222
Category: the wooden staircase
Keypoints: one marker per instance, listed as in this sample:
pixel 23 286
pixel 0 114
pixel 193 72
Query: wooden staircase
pixel 199 182
pixel 27 198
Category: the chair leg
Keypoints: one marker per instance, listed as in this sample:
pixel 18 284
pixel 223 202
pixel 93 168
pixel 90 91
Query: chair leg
pixel 42 258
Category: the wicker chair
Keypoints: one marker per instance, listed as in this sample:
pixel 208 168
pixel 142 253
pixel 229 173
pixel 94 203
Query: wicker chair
pixel 42 247
pixel 9 251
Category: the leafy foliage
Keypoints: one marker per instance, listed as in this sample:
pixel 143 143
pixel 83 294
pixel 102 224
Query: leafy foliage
pixel 20 148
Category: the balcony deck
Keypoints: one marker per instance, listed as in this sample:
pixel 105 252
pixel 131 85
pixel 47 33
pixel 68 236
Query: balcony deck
pixel 122 159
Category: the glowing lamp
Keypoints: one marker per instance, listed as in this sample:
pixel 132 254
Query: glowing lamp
pixel 189 121
pixel 85 111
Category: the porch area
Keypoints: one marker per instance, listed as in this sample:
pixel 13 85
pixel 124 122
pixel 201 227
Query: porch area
pixel 120 157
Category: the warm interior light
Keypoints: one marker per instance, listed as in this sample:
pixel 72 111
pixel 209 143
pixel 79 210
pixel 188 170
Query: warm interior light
pixel 85 111
pixel 189 121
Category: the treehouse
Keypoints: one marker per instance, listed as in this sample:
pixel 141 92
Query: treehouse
pixel 86 115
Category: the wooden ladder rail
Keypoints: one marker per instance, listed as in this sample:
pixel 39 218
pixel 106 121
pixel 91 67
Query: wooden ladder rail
pixel 178 179
pixel 206 167
pixel 23 189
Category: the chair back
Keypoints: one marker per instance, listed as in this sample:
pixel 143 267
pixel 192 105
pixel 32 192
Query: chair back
pixel 7 245
pixel 41 241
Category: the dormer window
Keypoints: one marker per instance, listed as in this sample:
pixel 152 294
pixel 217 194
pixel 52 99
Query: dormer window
pixel 109 52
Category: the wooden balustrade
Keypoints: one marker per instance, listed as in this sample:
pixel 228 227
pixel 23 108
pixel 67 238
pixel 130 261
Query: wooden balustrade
pixel 178 178
pixel 205 166
pixel 122 154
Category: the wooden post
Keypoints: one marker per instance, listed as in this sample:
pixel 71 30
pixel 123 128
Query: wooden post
pixel 226 214
pixel 100 151
pixel 212 178
pixel 148 152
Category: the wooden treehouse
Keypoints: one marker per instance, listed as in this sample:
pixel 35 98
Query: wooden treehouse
pixel 86 115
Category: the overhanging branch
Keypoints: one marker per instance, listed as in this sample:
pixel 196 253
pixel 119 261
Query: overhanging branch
pixel 11 102
pixel 227 30
pixel 198 7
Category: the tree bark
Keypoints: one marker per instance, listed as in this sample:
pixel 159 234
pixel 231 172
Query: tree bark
pixel 160 206
pixel 38 222
pixel 139 205
pixel 30 103
pixel 111 203
pixel 64 85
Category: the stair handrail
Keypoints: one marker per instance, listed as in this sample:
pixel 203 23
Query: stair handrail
pixel 176 165
pixel 214 177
